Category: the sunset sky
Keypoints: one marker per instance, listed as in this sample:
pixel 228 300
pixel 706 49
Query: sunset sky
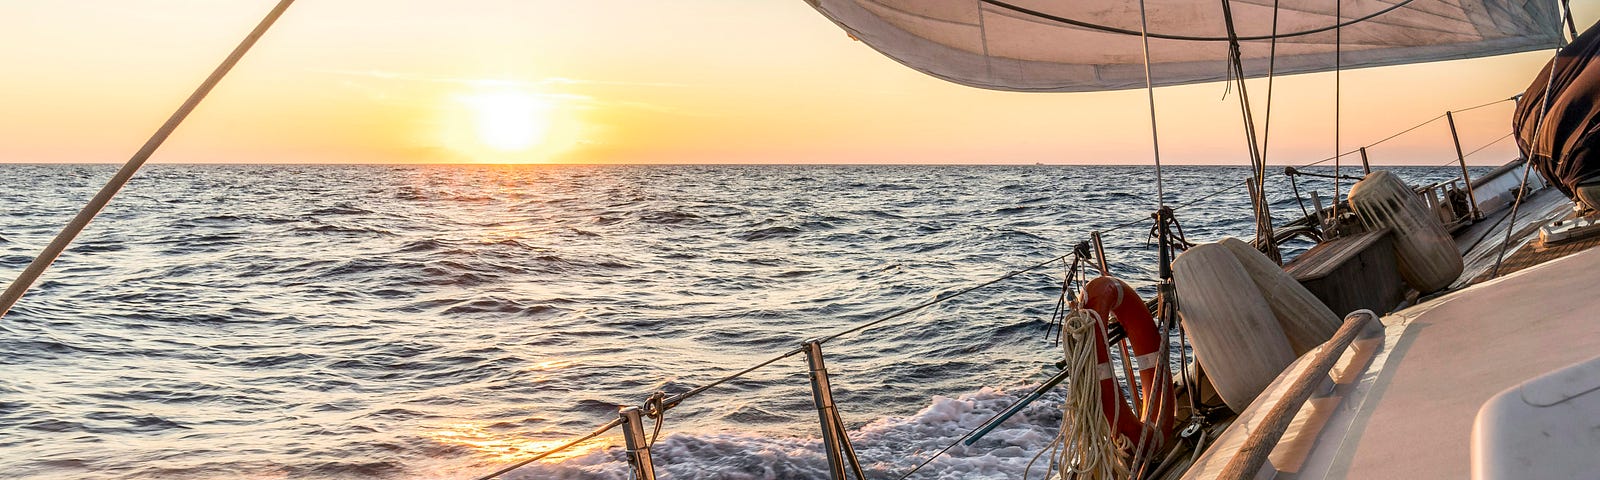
pixel 691 81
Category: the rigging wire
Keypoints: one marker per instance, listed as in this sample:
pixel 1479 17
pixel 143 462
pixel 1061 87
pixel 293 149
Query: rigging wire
pixel 1338 103
pixel 1150 96
pixel 59 244
pixel 1272 66
pixel 1258 195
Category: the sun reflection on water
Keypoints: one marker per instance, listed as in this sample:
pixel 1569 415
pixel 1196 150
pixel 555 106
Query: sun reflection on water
pixel 510 447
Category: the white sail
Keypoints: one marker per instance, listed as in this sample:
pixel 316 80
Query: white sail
pixel 1078 45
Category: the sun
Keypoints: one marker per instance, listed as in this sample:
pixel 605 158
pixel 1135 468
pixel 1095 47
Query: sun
pixel 509 120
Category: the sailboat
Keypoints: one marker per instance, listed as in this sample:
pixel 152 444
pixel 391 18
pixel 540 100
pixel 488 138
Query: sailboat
pixel 1470 365
pixel 1422 384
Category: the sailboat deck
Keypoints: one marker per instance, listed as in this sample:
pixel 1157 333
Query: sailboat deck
pixel 1480 244
pixel 1402 401
pixel 1456 352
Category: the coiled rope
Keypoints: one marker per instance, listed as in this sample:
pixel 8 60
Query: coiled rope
pixel 1090 449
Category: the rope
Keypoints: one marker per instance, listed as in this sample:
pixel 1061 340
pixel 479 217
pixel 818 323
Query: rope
pixel 42 262
pixel 1272 66
pixel 1154 406
pixel 655 407
pixel 1295 184
pixel 1090 446
pixel 1052 449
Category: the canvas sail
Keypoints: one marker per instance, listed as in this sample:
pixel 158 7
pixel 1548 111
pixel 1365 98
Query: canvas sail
pixel 1077 46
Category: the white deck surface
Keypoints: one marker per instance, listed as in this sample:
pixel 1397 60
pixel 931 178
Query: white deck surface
pixel 1404 399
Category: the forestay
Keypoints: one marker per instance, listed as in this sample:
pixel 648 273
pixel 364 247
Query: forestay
pixel 1076 46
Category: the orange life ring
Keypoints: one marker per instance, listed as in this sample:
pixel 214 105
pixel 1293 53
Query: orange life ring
pixel 1108 296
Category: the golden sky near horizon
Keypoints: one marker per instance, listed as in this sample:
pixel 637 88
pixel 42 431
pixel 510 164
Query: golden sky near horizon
pixel 695 81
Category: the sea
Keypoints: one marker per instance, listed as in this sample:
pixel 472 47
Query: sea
pixel 391 322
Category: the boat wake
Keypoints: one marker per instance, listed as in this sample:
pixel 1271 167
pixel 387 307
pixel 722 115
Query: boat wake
pixel 888 447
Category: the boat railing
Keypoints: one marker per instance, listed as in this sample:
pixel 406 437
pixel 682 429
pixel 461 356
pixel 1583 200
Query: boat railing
pixel 1455 200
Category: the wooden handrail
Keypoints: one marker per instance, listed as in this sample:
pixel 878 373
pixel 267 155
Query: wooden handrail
pixel 1247 461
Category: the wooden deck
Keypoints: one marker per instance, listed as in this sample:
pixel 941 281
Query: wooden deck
pixel 1480 244
pixel 1535 253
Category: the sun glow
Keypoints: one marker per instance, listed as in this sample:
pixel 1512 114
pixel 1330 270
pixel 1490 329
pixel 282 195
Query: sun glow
pixel 509 120
pixel 502 447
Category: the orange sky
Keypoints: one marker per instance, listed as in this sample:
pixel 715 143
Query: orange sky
pixel 692 81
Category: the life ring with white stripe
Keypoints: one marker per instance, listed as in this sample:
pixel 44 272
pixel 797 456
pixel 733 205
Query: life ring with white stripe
pixel 1108 297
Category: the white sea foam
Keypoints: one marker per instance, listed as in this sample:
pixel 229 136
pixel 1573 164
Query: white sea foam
pixel 887 447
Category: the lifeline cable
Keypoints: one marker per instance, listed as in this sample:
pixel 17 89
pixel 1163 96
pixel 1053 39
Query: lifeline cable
pixel 1408 130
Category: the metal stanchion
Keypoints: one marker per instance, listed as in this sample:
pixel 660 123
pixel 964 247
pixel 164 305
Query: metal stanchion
pixel 834 438
pixel 638 447
pixel 1099 254
pixel 1462 159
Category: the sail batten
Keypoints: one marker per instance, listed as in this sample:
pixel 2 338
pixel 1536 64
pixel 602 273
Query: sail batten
pixel 1077 46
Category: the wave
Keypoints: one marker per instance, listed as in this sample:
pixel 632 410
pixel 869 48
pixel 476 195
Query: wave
pixel 888 447
pixel 769 233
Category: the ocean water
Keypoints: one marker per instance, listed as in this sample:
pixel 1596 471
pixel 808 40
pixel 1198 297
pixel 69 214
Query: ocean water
pixel 232 321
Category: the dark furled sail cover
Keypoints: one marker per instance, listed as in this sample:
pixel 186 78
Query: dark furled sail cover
pixel 1563 147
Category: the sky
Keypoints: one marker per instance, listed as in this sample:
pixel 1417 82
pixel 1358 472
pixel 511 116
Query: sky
pixel 613 81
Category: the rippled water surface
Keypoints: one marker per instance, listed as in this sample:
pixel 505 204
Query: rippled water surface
pixel 442 321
